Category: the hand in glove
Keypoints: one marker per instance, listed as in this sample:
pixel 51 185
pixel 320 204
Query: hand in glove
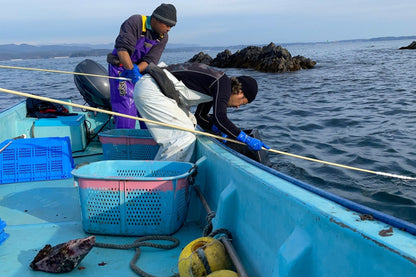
pixel 216 130
pixel 252 143
pixel 133 74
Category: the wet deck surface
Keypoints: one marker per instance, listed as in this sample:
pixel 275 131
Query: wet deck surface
pixel 49 212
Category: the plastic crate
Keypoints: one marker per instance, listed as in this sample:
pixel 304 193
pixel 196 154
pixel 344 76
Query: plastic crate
pixel 133 198
pixel 66 126
pixel 128 144
pixel 35 159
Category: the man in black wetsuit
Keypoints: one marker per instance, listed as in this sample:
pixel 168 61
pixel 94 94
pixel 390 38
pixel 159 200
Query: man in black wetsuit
pixel 196 84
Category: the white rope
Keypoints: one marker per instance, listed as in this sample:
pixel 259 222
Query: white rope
pixel 27 95
pixel 64 72
pixel 395 176
pixel 4 147
pixel 344 166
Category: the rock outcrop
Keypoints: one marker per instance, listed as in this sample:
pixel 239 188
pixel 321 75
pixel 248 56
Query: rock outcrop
pixel 410 46
pixel 201 57
pixel 270 58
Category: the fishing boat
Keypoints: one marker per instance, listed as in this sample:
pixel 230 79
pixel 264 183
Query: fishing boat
pixel 268 223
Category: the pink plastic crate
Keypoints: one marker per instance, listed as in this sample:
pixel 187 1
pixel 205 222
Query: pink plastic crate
pixel 133 198
pixel 128 144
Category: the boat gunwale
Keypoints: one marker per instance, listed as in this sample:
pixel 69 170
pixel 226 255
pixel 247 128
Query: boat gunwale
pixel 349 204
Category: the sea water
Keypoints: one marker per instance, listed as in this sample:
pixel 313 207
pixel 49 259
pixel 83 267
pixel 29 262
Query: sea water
pixel 356 107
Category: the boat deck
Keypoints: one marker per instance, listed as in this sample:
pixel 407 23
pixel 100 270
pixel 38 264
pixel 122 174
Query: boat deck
pixel 49 212
pixel 280 226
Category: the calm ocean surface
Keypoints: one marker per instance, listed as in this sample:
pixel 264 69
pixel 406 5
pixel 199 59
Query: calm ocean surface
pixel 357 107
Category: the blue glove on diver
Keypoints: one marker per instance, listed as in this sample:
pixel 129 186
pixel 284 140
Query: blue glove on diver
pixel 252 143
pixel 133 74
pixel 216 130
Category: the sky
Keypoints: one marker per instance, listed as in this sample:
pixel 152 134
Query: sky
pixel 208 23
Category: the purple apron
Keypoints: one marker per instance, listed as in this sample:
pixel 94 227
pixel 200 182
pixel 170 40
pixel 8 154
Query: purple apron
pixel 122 92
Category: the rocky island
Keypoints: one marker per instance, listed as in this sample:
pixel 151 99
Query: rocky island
pixel 270 58
pixel 410 46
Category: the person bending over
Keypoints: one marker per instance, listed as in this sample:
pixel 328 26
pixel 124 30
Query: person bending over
pixel 166 95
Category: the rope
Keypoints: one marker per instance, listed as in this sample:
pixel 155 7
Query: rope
pixel 344 166
pixel 198 254
pixel 27 95
pixel 64 72
pixel 4 147
pixel 221 232
pixel 208 228
pixel 139 243
pixel 201 255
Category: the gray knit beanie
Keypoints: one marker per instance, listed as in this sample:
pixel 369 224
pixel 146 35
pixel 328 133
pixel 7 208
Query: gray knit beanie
pixel 165 13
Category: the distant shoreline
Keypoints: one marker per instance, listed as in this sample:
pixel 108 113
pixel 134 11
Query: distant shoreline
pixel 13 52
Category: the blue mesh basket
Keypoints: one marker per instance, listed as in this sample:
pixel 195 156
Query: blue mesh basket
pixel 134 198
pixel 128 144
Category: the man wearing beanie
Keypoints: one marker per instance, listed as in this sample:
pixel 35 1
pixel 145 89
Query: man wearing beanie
pixel 166 94
pixel 140 42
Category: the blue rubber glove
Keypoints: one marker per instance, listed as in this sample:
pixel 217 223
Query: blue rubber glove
pixel 133 74
pixel 252 143
pixel 216 130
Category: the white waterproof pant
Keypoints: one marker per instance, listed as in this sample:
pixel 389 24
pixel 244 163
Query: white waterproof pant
pixel 175 145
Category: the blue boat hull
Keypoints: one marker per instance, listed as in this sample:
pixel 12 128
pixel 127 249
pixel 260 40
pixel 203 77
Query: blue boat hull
pixel 282 229
pixel 279 225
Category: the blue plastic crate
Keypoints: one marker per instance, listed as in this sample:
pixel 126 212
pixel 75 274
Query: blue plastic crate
pixel 35 159
pixel 66 126
pixel 128 144
pixel 133 198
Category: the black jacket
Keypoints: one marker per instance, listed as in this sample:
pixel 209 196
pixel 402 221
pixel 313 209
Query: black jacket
pixel 215 83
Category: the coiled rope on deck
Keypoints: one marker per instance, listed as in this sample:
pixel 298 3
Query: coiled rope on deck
pixel 140 242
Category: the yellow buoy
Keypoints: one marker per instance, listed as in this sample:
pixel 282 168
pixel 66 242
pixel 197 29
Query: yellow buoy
pixel 223 273
pixel 190 264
